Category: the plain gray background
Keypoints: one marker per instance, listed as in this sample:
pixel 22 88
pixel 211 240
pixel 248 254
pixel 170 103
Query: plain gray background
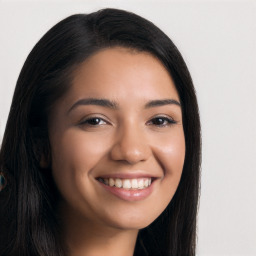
pixel 217 40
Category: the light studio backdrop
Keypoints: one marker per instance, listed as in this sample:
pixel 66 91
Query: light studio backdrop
pixel 217 41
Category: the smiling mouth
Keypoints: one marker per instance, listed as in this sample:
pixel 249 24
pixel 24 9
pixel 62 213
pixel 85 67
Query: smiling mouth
pixel 128 184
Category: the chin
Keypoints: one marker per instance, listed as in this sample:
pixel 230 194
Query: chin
pixel 131 220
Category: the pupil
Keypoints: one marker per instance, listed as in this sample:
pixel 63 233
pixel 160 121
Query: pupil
pixel 95 121
pixel 159 121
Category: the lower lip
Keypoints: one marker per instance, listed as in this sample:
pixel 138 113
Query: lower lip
pixel 129 195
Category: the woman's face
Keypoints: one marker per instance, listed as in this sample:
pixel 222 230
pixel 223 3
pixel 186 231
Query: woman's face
pixel 117 140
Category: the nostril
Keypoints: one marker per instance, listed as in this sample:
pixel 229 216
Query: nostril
pixel 130 146
pixel 129 155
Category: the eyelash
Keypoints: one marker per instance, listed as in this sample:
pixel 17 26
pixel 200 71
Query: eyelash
pixel 92 119
pixel 167 121
pixel 164 121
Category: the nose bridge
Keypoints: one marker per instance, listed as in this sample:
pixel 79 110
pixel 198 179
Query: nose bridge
pixel 131 144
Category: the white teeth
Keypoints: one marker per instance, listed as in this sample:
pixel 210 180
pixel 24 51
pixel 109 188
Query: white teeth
pixel 140 183
pixel 127 183
pixel 134 183
pixel 118 183
pixel 111 182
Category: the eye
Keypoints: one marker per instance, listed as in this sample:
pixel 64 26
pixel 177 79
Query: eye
pixel 161 121
pixel 93 121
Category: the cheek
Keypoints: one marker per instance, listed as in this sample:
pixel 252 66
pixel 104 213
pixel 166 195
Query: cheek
pixel 74 149
pixel 170 152
pixel 74 155
pixel 170 155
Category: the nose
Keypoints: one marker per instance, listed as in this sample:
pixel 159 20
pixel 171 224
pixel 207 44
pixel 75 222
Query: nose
pixel 130 146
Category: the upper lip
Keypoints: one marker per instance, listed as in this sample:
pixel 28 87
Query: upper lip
pixel 128 175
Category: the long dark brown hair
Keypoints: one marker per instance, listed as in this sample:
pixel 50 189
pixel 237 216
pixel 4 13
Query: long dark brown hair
pixel 29 223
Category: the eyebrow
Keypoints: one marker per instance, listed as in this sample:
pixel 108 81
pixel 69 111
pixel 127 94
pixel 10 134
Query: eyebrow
pixel 113 105
pixel 159 103
pixel 97 102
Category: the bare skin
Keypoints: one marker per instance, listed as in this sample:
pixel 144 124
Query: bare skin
pixel 120 120
pixel 100 240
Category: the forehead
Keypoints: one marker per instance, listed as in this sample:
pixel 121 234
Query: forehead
pixel 121 73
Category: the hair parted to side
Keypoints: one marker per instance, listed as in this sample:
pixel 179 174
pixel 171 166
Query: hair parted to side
pixel 29 222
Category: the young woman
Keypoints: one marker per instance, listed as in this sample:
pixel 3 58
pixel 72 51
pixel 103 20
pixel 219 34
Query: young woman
pixel 101 153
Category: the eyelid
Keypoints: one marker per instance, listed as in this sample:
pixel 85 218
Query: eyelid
pixel 93 116
pixel 169 119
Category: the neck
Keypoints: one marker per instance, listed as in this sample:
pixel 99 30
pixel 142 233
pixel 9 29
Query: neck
pixel 85 238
